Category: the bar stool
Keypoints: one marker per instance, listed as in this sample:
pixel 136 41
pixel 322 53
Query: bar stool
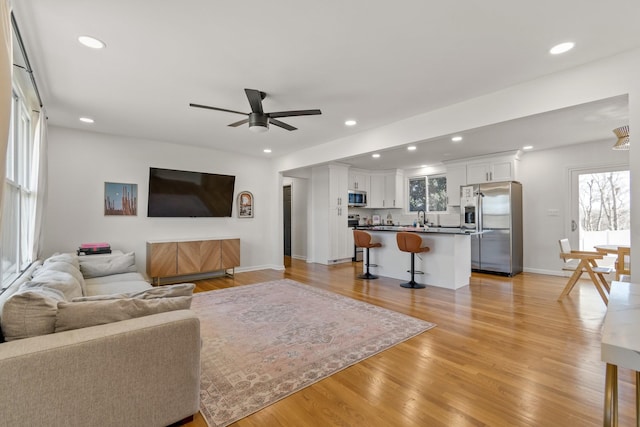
pixel 411 242
pixel 362 239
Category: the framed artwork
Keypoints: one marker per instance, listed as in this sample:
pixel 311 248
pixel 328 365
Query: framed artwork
pixel 245 205
pixel 120 199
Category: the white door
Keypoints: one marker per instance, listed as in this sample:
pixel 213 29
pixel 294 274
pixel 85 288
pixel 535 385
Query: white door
pixel 600 207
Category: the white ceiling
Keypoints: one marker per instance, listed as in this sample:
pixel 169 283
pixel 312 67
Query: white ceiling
pixel 374 61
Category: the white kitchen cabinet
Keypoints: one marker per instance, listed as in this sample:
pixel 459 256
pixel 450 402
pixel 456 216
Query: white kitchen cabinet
pixel 394 190
pixel 499 169
pixel 456 177
pixel 330 211
pixel 358 180
pixel 375 196
pixel 386 190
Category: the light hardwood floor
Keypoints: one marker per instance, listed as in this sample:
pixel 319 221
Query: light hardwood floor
pixel 504 353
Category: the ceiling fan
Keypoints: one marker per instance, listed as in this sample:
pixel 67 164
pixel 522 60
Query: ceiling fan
pixel 259 120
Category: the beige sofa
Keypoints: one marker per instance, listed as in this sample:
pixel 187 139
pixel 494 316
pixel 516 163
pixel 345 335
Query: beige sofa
pixel 143 371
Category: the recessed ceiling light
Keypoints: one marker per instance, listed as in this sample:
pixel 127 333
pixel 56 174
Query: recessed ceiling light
pixel 375 155
pixel 527 147
pixel 86 120
pixel 561 48
pixel 412 148
pixel 91 42
pixel 456 139
pixel 267 150
pixel 350 123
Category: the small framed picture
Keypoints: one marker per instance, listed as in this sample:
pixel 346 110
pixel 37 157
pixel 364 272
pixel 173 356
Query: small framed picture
pixel 120 199
pixel 245 205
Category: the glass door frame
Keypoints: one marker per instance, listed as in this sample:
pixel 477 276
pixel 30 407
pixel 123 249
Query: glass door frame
pixel 572 226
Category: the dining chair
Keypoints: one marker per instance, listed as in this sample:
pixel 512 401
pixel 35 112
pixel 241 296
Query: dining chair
pixel 622 263
pixel 587 263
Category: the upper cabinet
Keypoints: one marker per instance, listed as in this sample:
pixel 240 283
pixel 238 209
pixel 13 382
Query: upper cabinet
pixel 479 170
pixel 358 180
pixel 456 178
pixel 499 170
pixel 386 190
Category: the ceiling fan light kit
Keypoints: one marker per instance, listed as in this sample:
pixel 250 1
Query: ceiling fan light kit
pixel 623 138
pixel 259 120
pixel 258 123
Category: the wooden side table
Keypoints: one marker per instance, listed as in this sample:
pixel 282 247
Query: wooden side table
pixel 620 345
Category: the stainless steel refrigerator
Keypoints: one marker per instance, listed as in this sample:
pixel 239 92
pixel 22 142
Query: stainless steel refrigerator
pixel 495 209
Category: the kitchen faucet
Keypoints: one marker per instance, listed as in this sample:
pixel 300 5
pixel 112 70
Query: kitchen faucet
pixel 421 220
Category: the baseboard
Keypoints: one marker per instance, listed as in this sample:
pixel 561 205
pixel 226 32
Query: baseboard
pixel 546 272
pixel 260 267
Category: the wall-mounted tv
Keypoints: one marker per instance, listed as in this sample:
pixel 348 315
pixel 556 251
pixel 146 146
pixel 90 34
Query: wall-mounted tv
pixel 176 193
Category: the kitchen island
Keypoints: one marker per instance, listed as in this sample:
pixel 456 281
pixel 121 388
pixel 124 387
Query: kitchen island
pixel 447 265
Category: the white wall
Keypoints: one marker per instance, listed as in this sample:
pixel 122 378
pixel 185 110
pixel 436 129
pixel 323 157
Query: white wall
pixel 545 185
pixel 81 162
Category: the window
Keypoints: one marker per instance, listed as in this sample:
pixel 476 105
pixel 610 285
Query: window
pixel 19 194
pixel 603 208
pixel 428 193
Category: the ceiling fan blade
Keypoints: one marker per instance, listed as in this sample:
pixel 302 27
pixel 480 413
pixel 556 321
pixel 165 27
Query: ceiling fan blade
pixel 255 100
pixel 216 108
pixel 294 113
pixel 241 122
pixel 281 124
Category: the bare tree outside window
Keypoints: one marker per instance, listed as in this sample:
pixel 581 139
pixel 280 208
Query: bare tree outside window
pixel 437 193
pixel 428 193
pixel 417 194
pixel 604 201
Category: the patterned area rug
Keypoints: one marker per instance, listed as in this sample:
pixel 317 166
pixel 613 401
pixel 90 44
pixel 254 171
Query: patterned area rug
pixel 266 341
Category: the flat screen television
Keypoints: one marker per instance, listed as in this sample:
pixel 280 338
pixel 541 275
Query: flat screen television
pixel 176 193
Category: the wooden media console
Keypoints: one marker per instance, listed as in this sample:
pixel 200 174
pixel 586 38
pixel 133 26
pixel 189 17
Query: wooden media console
pixel 189 257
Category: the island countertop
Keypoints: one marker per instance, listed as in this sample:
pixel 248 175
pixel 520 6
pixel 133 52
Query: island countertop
pixel 446 265
pixel 439 230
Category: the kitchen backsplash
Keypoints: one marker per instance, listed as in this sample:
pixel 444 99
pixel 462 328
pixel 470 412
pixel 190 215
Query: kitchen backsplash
pixel 449 219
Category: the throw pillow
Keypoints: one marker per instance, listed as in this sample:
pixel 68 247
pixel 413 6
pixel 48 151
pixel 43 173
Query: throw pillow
pixel 170 291
pixel 61 266
pixel 62 282
pixel 30 313
pixel 64 257
pixel 75 315
pixel 114 265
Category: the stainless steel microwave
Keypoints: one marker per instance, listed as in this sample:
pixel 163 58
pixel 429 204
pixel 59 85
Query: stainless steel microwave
pixel 357 198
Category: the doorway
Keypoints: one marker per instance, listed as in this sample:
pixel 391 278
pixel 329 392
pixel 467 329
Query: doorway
pixel 286 209
pixel 600 207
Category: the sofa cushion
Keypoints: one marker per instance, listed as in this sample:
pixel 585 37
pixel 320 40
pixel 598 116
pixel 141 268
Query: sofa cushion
pixel 123 277
pixel 107 266
pixel 170 291
pixel 116 288
pixel 82 314
pixel 30 312
pixel 59 280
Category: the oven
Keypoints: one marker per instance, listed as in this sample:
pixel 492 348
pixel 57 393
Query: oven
pixel 353 221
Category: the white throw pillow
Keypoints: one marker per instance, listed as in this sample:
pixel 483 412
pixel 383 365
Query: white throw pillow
pixel 64 257
pixel 58 280
pixel 60 266
pixel 113 265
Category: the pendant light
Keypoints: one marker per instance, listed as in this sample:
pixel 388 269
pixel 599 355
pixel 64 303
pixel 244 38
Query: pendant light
pixel 623 138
